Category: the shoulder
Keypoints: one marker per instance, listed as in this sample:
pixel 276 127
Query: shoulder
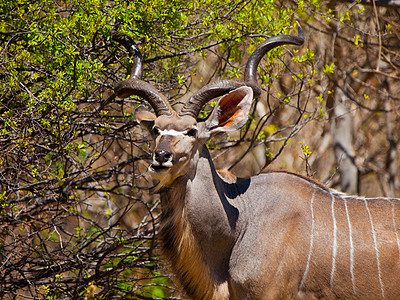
pixel 227 176
pixel 290 179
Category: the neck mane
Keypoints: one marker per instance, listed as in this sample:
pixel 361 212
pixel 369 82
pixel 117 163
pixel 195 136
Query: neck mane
pixel 181 248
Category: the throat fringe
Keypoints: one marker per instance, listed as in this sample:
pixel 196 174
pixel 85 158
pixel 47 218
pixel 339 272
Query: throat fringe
pixel 182 251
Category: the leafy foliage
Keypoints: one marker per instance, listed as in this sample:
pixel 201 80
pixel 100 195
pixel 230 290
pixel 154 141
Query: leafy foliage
pixel 77 220
pixel 71 183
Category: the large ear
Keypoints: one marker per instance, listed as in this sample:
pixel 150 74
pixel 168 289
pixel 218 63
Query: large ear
pixel 231 111
pixel 145 117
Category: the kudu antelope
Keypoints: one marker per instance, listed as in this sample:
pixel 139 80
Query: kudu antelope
pixel 277 235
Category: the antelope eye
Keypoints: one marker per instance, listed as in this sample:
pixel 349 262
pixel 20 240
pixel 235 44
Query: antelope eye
pixel 192 132
pixel 155 131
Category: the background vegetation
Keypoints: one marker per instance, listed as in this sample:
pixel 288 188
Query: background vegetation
pixel 76 218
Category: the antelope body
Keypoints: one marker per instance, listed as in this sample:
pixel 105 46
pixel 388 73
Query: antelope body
pixel 277 235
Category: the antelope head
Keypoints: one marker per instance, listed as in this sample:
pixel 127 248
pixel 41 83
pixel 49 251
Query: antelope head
pixel 180 135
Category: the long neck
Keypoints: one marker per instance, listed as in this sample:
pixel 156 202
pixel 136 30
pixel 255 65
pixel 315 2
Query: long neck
pixel 197 257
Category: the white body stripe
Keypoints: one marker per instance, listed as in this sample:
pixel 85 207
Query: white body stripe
pixel 334 246
pixel 311 241
pixel 395 225
pixel 351 247
pixel 376 248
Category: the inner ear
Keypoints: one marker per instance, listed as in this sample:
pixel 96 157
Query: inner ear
pixel 231 111
pixel 228 109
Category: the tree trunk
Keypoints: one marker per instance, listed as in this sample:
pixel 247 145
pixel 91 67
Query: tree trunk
pixel 343 143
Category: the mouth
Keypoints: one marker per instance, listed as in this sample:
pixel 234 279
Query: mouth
pixel 156 167
pixel 159 168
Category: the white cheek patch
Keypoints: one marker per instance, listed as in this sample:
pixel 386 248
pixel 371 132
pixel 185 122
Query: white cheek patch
pixel 172 132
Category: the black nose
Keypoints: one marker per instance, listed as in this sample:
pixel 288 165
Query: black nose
pixel 162 156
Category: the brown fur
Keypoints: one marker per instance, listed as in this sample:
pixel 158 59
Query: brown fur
pixel 311 180
pixel 227 176
pixel 181 249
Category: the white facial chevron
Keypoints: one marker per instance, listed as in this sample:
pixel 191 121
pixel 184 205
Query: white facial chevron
pixel 172 132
